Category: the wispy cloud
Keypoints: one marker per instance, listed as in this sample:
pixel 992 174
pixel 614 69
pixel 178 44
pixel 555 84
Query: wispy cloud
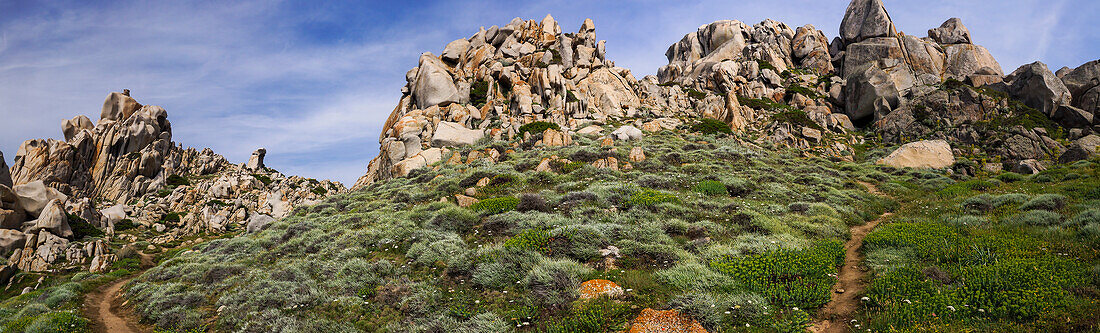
pixel 313 81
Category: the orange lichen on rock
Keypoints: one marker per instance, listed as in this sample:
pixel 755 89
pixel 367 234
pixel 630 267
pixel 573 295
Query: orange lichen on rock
pixel 594 288
pixel 667 321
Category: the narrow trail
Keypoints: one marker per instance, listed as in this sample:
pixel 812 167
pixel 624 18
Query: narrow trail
pixel 850 283
pixel 107 308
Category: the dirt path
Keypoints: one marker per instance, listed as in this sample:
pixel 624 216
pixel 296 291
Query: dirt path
pixel 106 306
pixel 838 311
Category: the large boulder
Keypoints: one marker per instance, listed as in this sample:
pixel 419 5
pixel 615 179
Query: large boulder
pixel 256 161
pixel 927 154
pixel 35 196
pixel 627 132
pixel 70 127
pixel 1072 117
pixel 454 134
pixel 872 92
pixel 811 50
pixel 53 219
pixel 11 240
pixel 11 213
pixel 5 174
pixel 964 60
pixel 454 50
pixel 118 107
pixel 1036 86
pixel 1081 149
pixel 865 19
pixel 258 222
pixel 1083 83
pixel 951 31
pixel 114 214
pixel 433 84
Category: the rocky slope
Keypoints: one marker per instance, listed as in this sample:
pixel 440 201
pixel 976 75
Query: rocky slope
pixel 526 183
pixel 768 82
pixel 64 200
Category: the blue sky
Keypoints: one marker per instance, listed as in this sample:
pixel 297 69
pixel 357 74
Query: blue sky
pixel 313 82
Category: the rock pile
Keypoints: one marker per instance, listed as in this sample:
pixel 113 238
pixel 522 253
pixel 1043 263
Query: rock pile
pixel 62 199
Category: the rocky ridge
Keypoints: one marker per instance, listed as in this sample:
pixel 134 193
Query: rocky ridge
pixel 64 200
pixel 771 84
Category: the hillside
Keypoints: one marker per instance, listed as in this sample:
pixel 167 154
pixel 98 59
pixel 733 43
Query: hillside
pixel 766 179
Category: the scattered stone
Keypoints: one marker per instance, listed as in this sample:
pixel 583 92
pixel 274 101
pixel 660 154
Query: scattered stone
pixel 627 132
pixel 599 287
pixel 465 201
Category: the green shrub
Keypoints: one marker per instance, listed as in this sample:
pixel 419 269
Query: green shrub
pixel 696 94
pixel 453 218
pixel 1037 217
pixel 479 92
pixel 796 117
pixel 764 64
pixel 536 128
pixel 60 322
pixel 176 180
pixel 648 197
pixel 554 282
pixel 1014 199
pixel 130 264
pixel 318 190
pixel 572 166
pixel 1049 201
pixel 82 228
pixel 711 126
pixel 599 315
pixel 797 89
pixel 711 187
pixel 1010 177
pixel 789 278
pixel 125 224
pixel 1086 217
pixel 495 205
pixel 262 178
pixel 537 240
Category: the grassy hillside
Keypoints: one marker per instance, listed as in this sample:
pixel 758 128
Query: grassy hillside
pixel 738 237
pixel 704 224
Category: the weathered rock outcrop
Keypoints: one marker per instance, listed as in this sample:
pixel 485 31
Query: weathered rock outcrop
pixel 5 174
pixel 127 164
pixel 256 161
pixel 1036 86
pixel 951 31
pixel 1081 149
pixel 1083 84
pixel 882 67
pixel 783 86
